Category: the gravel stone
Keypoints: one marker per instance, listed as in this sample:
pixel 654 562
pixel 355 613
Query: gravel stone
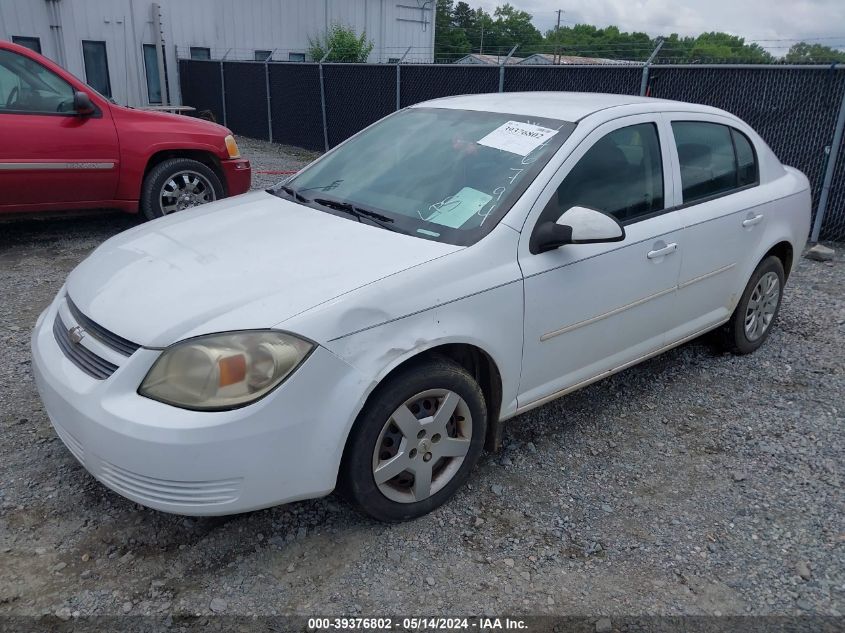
pixel 803 570
pixel 820 253
pixel 218 605
pixel 658 443
pixel 604 625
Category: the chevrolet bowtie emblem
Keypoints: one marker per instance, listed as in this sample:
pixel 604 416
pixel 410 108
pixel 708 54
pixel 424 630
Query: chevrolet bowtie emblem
pixel 76 334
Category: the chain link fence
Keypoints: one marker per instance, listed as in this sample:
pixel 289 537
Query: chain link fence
pixel 796 109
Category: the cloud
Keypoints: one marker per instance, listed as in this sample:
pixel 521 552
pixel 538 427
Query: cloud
pixel 756 20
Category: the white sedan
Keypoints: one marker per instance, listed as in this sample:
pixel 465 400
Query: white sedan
pixel 369 324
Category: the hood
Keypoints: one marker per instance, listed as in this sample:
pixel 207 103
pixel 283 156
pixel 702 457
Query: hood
pixel 242 263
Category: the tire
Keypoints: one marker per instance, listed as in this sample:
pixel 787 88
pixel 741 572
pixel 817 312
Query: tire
pixel 209 188
pixel 735 336
pixel 442 383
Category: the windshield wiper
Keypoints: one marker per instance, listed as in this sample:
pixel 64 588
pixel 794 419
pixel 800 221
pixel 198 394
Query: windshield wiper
pixel 294 193
pixel 358 212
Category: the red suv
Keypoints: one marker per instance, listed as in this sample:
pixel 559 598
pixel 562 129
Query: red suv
pixel 64 146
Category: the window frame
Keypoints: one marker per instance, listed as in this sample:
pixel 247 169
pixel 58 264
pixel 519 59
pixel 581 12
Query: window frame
pixel 578 152
pixel 107 94
pixel 96 114
pixel 200 48
pixel 18 39
pixel 264 58
pixel 696 118
pixel 300 58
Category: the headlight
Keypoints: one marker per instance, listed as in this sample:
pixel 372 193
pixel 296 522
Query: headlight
pixel 232 147
pixel 224 371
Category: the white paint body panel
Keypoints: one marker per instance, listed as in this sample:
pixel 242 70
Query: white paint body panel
pixel 371 299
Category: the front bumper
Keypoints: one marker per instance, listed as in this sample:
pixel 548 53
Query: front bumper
pixel 285 447
pixel 238 175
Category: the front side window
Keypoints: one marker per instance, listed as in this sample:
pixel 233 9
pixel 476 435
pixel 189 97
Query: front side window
pixel 28 87
pixel 96 66
pixel 621 174
pixel 435 173
pixel 714 159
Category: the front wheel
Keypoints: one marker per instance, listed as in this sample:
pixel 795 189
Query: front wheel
pixel 176 184
pixel 757 310
pixel 415 442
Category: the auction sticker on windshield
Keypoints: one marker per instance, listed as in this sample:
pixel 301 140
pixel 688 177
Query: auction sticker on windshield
pixel 518 138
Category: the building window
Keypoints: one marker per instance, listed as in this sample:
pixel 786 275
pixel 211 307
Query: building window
pixel 263 56
pixel 32 43
pixel 392 60
pixel 153 76
pixel 96 66
pixel 296 57
pixel 200 52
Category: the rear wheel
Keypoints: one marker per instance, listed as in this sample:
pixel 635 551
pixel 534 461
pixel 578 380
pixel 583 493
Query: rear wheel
pixel 757 310
pixel 415 442
pixel 176 184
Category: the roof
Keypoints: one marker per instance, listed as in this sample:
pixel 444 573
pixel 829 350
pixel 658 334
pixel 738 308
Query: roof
pixel 547 58
pixel 564 106
pixel 489 60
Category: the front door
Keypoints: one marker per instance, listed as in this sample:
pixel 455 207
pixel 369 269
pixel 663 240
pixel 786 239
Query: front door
pixel 50 155
pixel 593 308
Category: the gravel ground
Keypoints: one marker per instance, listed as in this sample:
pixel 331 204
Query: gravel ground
pixel 694 483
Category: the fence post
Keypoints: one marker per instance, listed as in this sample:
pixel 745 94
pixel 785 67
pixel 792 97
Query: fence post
pixel 323 101
pixel 502 69
pixel 223 92
pixel 644 82
pixel 399 79
pixel 828 172
pixel 223 86
pixel 269 108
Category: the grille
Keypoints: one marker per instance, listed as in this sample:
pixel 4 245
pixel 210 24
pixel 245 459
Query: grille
pixel 109 339
pixel 153 490
pixel 80 355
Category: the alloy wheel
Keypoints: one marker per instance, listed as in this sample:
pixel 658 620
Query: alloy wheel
pixel 762 306
pixel 185 189
pixel 422 446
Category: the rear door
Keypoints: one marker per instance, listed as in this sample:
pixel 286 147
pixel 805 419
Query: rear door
pixel 50 155
pixel 717 197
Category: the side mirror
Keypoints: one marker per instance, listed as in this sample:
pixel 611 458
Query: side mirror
pixel 579 225
pixel 82 104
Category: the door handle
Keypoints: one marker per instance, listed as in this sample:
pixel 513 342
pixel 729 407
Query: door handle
pixel 752 221
pixel 660 252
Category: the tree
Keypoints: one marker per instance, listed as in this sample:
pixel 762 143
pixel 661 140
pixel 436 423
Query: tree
pixel 450 41
pixel 344 44
pixel 803 53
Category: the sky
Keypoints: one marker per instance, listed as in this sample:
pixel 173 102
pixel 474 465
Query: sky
pixel 755 20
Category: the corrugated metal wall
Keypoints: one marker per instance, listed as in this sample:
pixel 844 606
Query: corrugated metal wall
pixel 234 28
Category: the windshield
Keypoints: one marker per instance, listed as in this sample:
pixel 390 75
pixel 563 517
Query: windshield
pixel 440 174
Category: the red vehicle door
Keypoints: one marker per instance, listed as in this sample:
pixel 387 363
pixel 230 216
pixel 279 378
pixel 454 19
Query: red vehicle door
pixel 51 157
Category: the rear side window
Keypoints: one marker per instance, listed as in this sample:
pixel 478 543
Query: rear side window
pixel 714 159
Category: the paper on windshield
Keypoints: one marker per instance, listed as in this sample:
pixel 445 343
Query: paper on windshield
pixel 455 210
pixel 518 138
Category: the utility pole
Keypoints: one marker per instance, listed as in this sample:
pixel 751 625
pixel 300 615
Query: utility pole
pixel 481 48
pixel 557 36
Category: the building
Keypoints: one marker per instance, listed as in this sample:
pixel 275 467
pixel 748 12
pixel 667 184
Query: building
pixel 127 49
pixel 565 60
pixel 487 60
